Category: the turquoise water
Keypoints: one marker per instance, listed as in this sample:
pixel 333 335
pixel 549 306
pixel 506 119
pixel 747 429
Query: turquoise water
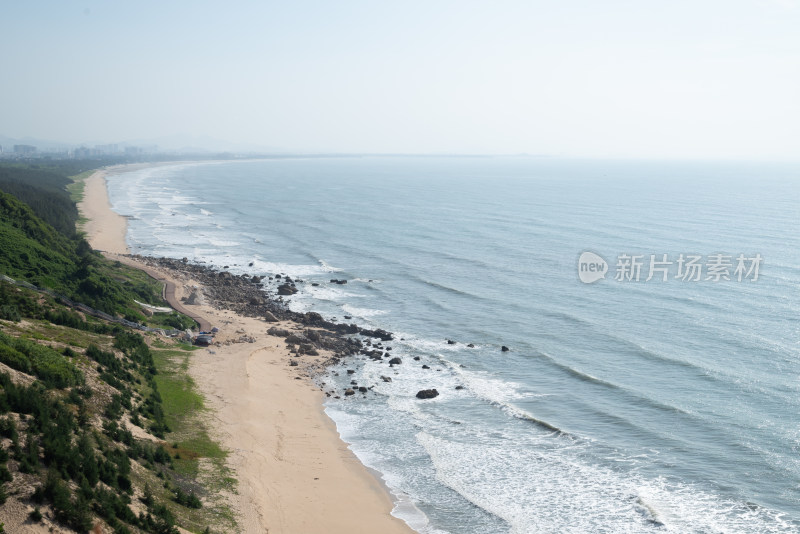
pixel 622 406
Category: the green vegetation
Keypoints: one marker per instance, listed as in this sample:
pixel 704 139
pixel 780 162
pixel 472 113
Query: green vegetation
pixel 88 473
pixel 76 188
pixel 44 191
pixel 40 244
pixel 39 360
pixel 33 251
pixel 74 388
pixel 183 408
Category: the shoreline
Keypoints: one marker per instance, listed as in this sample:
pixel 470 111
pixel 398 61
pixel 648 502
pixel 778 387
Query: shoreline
pixel 294 473
pixel 105 229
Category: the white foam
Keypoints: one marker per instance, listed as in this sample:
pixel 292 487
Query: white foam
pixel 363 313
pixel 223 242
pixel 405 507
pixel 542 488
pixel 293 270
pixel 328 268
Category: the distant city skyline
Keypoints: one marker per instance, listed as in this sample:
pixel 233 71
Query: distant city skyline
pixel 616 79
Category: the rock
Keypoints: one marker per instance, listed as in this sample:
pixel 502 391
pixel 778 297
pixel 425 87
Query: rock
pixel 427 394
pixel 286 289
pixel 386 378
pixel 425 367
pixel 282 332
pixel 416 358
pixel 340 282
pixel 362 389
pixel 295 338
pixel 504 348
pixel 395 361
pixel 350 371
pixel 314 284
pixel 268 317
pixel 313 318
pixel 451 342
pixel 471 345
pixel 379 333
pixel 313 335
pixel 255 301
pixel 293 363
pixel 349 392
pixel 194 298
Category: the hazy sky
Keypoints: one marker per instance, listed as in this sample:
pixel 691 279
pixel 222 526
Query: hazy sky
pixel 639 78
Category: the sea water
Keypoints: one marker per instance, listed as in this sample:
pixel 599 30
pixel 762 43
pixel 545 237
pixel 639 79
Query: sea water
pixel 623 405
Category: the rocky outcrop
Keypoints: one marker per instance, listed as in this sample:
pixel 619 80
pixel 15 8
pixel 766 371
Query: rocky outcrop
pixel 427 394
pixel 378 333
pixel 281 332
pixel 296 338
pixel 286 289
pixel 193 298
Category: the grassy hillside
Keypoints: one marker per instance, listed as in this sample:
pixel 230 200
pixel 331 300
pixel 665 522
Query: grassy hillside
pixel 44 189
pixel 99 426
pixel 94 429
pixel 39 244
pixel 35 252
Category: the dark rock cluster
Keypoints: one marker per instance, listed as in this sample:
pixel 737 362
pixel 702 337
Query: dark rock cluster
pixel 262 297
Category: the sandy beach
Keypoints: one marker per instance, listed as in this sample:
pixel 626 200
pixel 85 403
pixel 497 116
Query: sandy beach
pixel 295 474
pixel 104 228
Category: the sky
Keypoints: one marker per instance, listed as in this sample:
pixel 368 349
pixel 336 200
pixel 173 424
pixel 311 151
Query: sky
pixel 700 79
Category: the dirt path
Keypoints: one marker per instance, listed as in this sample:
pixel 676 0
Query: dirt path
pixel 168 290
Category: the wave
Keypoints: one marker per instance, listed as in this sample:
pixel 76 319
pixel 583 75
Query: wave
pixel 553 489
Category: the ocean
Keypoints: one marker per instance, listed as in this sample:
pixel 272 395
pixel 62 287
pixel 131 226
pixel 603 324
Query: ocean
pixel 661 397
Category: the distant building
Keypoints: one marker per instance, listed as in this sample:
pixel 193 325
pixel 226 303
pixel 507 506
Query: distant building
pixel 83 153
pixel 107 149
pixel 24 150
